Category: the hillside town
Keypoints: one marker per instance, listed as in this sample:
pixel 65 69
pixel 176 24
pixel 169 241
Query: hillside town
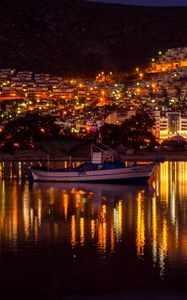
pixel 82 106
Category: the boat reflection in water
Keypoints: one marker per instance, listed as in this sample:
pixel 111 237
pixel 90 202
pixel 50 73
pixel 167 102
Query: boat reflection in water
pixel 97 213
pixel 131 228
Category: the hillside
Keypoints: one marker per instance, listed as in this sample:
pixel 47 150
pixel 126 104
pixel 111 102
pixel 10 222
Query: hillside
pixel 82 38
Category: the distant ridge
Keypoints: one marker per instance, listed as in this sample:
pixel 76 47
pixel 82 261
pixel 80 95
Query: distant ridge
pixel 81 38
pixel 146 2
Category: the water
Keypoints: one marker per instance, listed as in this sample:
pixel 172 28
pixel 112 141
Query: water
pixel 86 241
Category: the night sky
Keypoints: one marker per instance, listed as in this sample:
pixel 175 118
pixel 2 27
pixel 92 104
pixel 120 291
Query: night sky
pixel 148 2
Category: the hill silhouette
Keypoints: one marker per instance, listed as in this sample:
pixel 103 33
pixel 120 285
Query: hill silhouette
pixel 81 38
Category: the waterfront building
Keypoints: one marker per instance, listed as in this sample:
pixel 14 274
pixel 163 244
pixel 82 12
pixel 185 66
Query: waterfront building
pixel 170 124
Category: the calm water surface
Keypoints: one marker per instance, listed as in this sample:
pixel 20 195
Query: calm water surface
pixel 86 241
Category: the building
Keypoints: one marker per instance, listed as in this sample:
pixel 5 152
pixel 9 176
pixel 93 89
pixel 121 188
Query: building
pixel 170 124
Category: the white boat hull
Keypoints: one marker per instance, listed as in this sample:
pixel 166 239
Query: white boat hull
pixel 129 174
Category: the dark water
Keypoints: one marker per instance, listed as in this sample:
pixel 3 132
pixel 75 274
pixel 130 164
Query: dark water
pixel 86 241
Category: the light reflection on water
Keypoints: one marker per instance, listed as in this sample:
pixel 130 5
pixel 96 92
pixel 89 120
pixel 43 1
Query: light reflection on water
pixel 20 170
pixel 94 212
pixel 136 222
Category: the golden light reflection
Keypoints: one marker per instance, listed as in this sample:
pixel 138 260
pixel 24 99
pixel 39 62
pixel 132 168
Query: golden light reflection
pixel 163 248
pixel 52 195
pixel 173 204
pixel 73 231
pixel 154 230
pixel 82 231
pixel 164 180
pixel 93 230
pixel 19 170
pixel 39 211
pixel 15 215
pixel 102 230
pixel 140 232
pixel 118 224
pixel 65 204
pixel 31 219
pixel 120 219
pixel 77 199
pixel 3 198
pixel 26 213
pixel 112 239
pixel 155 216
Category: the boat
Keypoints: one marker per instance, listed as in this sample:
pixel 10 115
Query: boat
pixel 104 173
pixel 105 167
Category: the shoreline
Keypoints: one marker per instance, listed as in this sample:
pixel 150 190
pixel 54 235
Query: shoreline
pixel 42 156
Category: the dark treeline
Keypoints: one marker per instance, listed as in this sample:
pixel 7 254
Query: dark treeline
pixel 26 132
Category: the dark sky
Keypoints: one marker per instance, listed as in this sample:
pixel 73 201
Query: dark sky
pixel 147 2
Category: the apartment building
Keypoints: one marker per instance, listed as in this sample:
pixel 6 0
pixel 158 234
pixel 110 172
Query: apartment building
pixel 170 124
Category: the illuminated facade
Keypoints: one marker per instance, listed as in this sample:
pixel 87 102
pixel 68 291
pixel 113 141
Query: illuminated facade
pixel 170 60
pixel 169 125
pixel 166 66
